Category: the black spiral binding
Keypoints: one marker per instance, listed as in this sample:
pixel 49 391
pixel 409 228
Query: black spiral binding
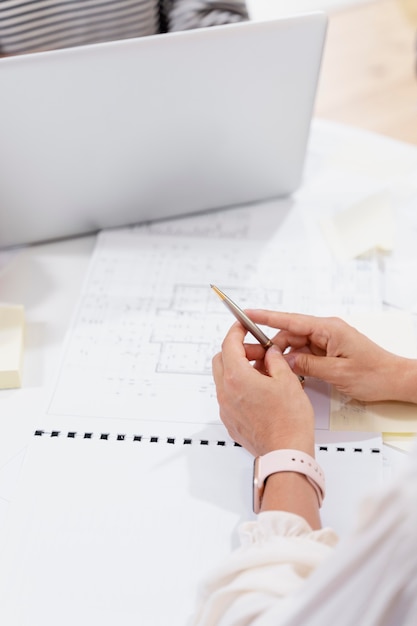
pixel 322 448
pixel 185 441
pixel 72 434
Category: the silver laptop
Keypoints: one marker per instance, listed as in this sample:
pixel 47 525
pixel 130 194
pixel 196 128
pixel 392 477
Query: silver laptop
pixel 143 129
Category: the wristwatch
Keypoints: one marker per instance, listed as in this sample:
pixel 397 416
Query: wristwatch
pixel 286 461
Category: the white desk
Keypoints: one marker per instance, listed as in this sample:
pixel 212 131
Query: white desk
pixel 47 279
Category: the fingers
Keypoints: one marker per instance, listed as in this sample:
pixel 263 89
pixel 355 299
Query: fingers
pixel 217 365
pixel 254 351
pixel 296 323
pixel 217 369
pixel 261 412
pixel 285 340
pixel 323 368
pixel 233 349
pixel 275 363
pixel 315 351
pixel 231 367
pixel 322 335
pixel 296 331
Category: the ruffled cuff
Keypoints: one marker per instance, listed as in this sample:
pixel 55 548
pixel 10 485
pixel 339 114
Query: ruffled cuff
pixel 271 524
pixel 278 553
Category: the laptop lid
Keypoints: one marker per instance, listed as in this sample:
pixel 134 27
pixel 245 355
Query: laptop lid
pixel 129 131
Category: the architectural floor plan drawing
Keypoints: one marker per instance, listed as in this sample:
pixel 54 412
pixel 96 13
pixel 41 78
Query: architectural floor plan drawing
pixel 148 324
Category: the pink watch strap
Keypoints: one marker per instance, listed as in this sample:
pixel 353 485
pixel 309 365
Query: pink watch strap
pixel 291 461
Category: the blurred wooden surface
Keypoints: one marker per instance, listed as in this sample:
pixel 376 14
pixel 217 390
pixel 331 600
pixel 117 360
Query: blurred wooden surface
pixel 368 76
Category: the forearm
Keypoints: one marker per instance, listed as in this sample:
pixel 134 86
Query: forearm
pixel 291 492
pixel 402 380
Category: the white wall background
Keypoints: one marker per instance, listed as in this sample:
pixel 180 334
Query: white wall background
pixel 266 9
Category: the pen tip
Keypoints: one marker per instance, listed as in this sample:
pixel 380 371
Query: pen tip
pixel 217 290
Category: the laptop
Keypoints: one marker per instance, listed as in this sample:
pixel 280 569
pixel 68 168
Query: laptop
pixel 122 133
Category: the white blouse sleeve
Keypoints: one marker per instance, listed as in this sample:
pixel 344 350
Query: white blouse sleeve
pixel 188 14
pixel 278 552
pixel 285 574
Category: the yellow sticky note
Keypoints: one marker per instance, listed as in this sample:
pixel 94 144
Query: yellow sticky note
pixel 12 326
pixel 361 228
pixel 401 441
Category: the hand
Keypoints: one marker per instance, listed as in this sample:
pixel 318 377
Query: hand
pixel 333 351
pixel 264 407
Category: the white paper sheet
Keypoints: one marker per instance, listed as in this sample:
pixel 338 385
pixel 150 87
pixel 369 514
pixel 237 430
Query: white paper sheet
pixel 108 531
pixel 148 323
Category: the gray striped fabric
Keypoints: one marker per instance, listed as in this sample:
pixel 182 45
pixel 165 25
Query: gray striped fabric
pixel 35 25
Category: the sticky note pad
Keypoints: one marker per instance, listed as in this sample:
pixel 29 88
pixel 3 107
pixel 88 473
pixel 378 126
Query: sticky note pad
pixel 361 228
pixel 12 326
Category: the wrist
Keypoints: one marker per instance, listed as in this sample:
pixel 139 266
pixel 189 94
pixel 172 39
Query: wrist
pixel 303 440
pixel 290 463
pixel 291 492
pixel 292 433
pixel 404 379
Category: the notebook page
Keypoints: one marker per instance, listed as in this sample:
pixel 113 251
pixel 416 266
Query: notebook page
pixel 353 466
pixel 122 531
pixel 118 532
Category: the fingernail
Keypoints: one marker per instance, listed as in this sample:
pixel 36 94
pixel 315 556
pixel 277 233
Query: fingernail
pixel 274 348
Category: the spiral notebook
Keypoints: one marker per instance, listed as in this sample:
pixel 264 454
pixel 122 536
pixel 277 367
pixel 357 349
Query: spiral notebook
pixel 117 528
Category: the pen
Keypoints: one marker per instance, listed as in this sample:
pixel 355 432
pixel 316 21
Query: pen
pixel 246 322
pixel 244 319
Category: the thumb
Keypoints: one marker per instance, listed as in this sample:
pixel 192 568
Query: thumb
pixel 305 364
pixel 274 361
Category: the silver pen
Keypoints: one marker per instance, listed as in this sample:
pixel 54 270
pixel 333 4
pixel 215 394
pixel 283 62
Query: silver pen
pixel 246 322
pixel 244 319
